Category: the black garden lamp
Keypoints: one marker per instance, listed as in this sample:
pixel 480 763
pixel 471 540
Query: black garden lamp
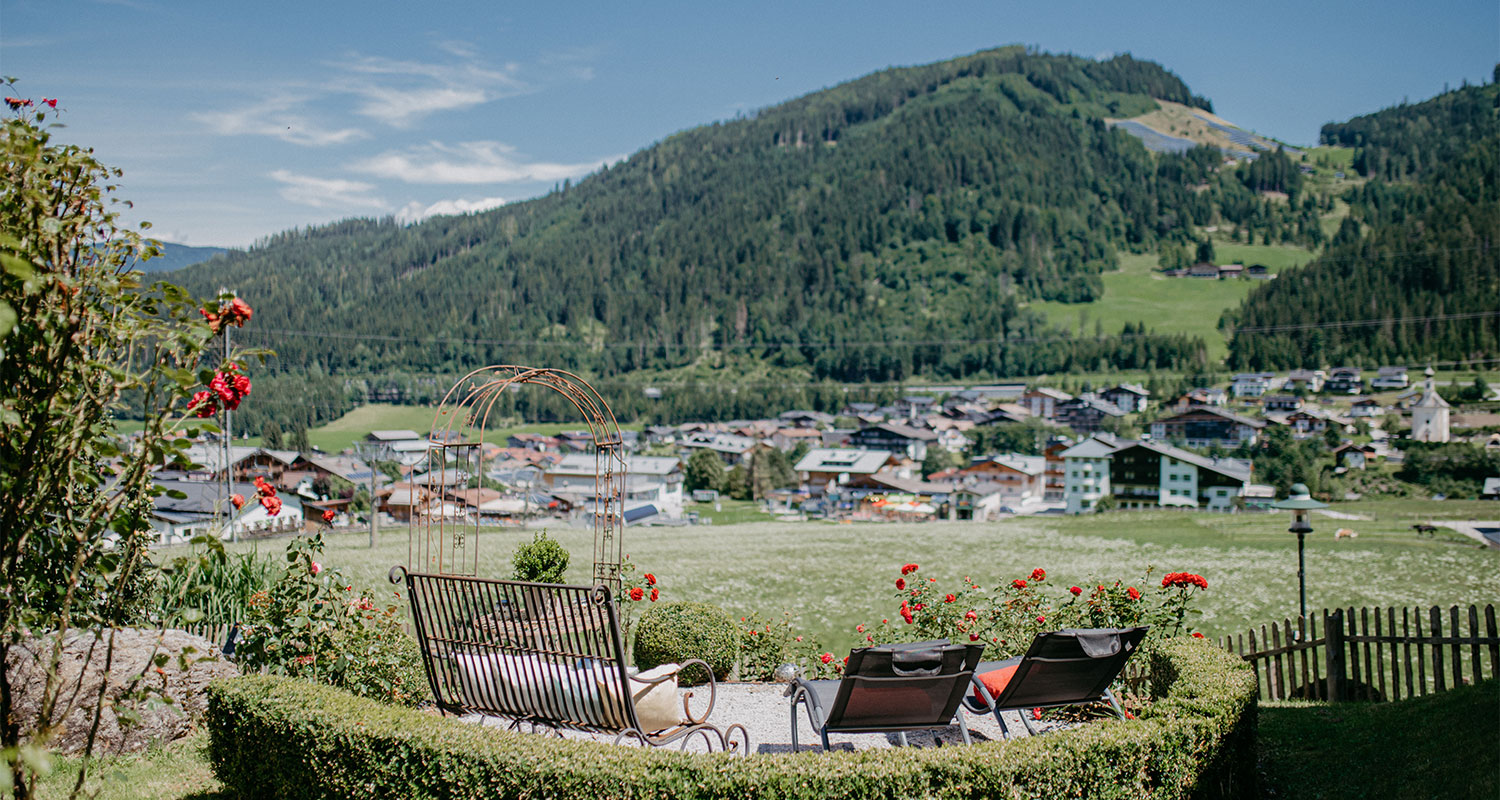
pixel 1300 503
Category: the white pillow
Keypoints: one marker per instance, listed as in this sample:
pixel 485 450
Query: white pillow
pixel 478 679
pixel 656 704
pixel 532 683
pixel 579 690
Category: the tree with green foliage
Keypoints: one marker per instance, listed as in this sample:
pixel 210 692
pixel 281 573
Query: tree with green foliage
pixel 769 471
pixel 80 335
pixel 704 472
pixel 1205 252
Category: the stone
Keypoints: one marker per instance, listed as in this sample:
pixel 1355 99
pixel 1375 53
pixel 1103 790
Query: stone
pixel 143 704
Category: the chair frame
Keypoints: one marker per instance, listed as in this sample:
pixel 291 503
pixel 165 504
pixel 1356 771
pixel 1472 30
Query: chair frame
pixel 826 721
pixel 991 704
pixel 557 627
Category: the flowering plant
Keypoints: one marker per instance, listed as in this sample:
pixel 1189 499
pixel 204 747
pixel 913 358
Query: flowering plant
pixel 635 587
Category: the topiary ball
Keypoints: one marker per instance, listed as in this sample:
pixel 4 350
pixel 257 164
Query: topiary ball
pixel 675 632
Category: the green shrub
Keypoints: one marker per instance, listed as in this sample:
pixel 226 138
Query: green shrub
pixel 541 560
pixel 675 632
pixel 276 738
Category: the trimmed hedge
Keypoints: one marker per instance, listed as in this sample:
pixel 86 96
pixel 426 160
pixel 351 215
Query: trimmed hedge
pixel 671 633
pixel 279 738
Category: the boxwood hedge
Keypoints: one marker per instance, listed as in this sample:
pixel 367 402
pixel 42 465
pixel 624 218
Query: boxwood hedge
pixel 279 738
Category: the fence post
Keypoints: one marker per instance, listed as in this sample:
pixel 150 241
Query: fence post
pixel 1333 632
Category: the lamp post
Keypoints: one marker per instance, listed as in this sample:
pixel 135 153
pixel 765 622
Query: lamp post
pixel 1300 503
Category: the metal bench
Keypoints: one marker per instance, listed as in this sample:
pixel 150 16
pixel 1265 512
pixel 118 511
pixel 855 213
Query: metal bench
pixel 544 656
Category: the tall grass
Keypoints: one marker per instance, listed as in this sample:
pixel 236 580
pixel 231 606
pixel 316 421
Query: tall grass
pixel 217 589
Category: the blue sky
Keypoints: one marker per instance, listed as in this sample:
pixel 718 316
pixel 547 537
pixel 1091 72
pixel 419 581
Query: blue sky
pixel 234 121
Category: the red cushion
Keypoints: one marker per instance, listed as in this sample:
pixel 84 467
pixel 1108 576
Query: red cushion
pixel 994 681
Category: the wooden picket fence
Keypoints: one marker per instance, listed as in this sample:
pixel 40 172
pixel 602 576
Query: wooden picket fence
pixel 1377 654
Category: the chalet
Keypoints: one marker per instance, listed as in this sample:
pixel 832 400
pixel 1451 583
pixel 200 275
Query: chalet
pixel 980 502
pixel 1251 384
pixel 1004 392
pixel 1228 271
pixel 1344 380
pixel 1022 478
pixel 733 449
pixel 1387 378
pixel 1202 396
pixel 406 501
pixel 1206 426
pixel 1086 472
pixel 1005 414
pixel 1353 456
pixel 245 462
pixel 895 438
pixel 805 419
pixel 1366 407
pixel 1042 401
pixel 1313 422
pixel 1147 475
pixel 915 405
pixel 1127 397
pixel 1053 479
pixel 1306 380
pixel 859 409
pixel 660 434
pixel 471 500
pixel 204 508
pixel 1258 272
pixel 1281 402
pixel 836 466
pixel 1204 270
pixel 787 439
pixel 403 446
pixel 575 442
pixel 1086 413
pixel 837 437
pixel 654 480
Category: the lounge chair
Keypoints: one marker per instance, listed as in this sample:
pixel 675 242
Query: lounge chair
pixel 1061 668
pixel 890 688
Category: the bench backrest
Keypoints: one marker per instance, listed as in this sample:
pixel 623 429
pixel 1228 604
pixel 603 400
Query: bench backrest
pixel 548 653
pixel 902 686
pixel 1070 666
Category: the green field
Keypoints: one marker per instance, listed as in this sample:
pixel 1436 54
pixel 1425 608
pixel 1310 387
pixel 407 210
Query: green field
pixel 1135 293
pixel 833 577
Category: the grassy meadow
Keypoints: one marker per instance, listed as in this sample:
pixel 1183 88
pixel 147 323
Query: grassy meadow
pixel 835 576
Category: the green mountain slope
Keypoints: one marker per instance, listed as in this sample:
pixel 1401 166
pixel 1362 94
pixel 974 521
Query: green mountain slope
pixel 1414 273
pixel 890 227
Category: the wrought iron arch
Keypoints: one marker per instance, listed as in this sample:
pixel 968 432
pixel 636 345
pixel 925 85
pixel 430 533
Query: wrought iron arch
pixel 439 542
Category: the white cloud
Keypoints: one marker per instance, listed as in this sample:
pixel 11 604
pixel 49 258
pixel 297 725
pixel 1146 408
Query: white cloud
pixel 275 118
pixel 469 163
pixel 326 192
pixel 398 92
pixel 416 212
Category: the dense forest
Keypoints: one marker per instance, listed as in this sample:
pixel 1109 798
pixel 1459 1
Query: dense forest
pixel 888 228
pixel 1413 274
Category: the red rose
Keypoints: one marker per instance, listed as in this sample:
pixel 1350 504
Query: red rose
pixel 948 598
pixel 1041 619
pixel 900 584
pixel 1036 713
pixel 650 579
pixel 1197 635
pixel 1018 583
pixel 655 593
pixel 1039 574
pixel 637 593
pixel 973 637
pixel 826 657
pixel 971 615
pixel 328 515
pixel 1134 593
pixel 859 628
pixel 1075 590
pixel 271 503
pixel 240 312
pixel 918 607
pixel 51 101
pixel 203 405
pixel 907 617
pixel 237 500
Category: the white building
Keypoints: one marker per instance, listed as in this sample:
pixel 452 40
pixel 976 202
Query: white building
pixel 654 480
pixel 1429 417
pixel 1252 384
pixel 1086 474
pixel 206 509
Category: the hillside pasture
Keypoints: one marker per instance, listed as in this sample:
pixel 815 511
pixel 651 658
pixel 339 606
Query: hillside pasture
pixel 832 577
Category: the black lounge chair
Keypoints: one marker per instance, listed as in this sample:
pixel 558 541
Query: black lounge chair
pixel 890 688
pixel 1061 668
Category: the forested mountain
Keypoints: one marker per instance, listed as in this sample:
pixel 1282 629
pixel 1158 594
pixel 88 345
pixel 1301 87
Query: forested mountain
pixel 1414 273
pixel 886 228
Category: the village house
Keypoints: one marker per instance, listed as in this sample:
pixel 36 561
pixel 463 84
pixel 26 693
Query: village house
pixel 1053 482
pixel 1344 380
pixel 1281 402
pixel 541 443
pixel 1128 397
pixel 896 438
pixel 1308 422
pixel 979 502
pixel 1231 271
pixel 1353 456
pixel 660 434
pixel 246 462
pixel 575 442
pixel 1258 272
pixel 805 419
pixel 1204 270
pixel 1043 400
pixel 1387 378
pixel 1086 473
pixel 1308 381
pixel 1251 384
pixel 733 449
pixel 1022 478
pixel 649 480
pixel 406 447
pixel 1150 475
pixel 205 509
pixel 787 439
pixel 1206 426
pixel 1366 407
pixel 1202 396
pixel 1086 413
pixel 825 467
